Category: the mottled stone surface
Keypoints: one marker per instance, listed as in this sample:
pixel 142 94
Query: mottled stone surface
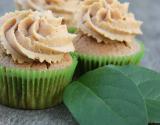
pixel 146 10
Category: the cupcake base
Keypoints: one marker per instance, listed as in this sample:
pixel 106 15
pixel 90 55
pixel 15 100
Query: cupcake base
pixel 32 89
pixel 92 55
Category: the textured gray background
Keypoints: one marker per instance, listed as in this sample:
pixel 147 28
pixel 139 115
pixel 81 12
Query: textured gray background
pixel 145 10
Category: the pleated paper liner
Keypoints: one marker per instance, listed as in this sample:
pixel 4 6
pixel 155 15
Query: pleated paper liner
pixel 29 89
pixel 90 62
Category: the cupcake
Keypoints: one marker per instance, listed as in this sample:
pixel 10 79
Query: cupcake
pixel 35 60
pixel 106 35
pixel 63 8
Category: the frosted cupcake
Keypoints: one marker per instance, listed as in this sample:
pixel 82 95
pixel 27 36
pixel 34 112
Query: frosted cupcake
pixel 107 34
pixel 35 64
pixel 63 8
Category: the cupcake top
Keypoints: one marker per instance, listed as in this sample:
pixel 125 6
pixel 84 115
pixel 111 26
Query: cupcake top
pixel 108 20
pixel 64 8
pixel 35 36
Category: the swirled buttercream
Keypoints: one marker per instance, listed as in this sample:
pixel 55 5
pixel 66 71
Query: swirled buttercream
pixel 64 8
pixel 35 36
pixel 108 19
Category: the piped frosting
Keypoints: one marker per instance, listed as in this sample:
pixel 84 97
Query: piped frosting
pixel 108 19
pixel 29 36
pixel 63 8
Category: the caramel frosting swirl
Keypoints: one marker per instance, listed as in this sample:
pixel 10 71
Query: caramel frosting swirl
pixel 63 8
pixel 35 36
pixel 108 19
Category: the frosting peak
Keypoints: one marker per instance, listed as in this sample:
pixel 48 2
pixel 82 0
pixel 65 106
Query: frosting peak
pixel 28 36
pixel 108 19
pixel 64 8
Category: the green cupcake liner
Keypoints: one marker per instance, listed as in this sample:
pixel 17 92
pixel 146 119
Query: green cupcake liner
pixel 30 89
pixel 90 62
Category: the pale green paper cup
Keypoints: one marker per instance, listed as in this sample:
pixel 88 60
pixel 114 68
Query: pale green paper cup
pixel 30 89
pixel 89 62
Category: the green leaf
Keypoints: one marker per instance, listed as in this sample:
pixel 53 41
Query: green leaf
pixel 105 97
pixel 72 29
pixel 153 110
pixel 148 82
pixel 151 92
pixel 137 73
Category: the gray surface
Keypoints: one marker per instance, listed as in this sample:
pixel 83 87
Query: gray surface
pixel 146 10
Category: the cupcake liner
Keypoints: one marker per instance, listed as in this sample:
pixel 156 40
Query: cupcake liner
pixel 30 89
pixel 90 62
